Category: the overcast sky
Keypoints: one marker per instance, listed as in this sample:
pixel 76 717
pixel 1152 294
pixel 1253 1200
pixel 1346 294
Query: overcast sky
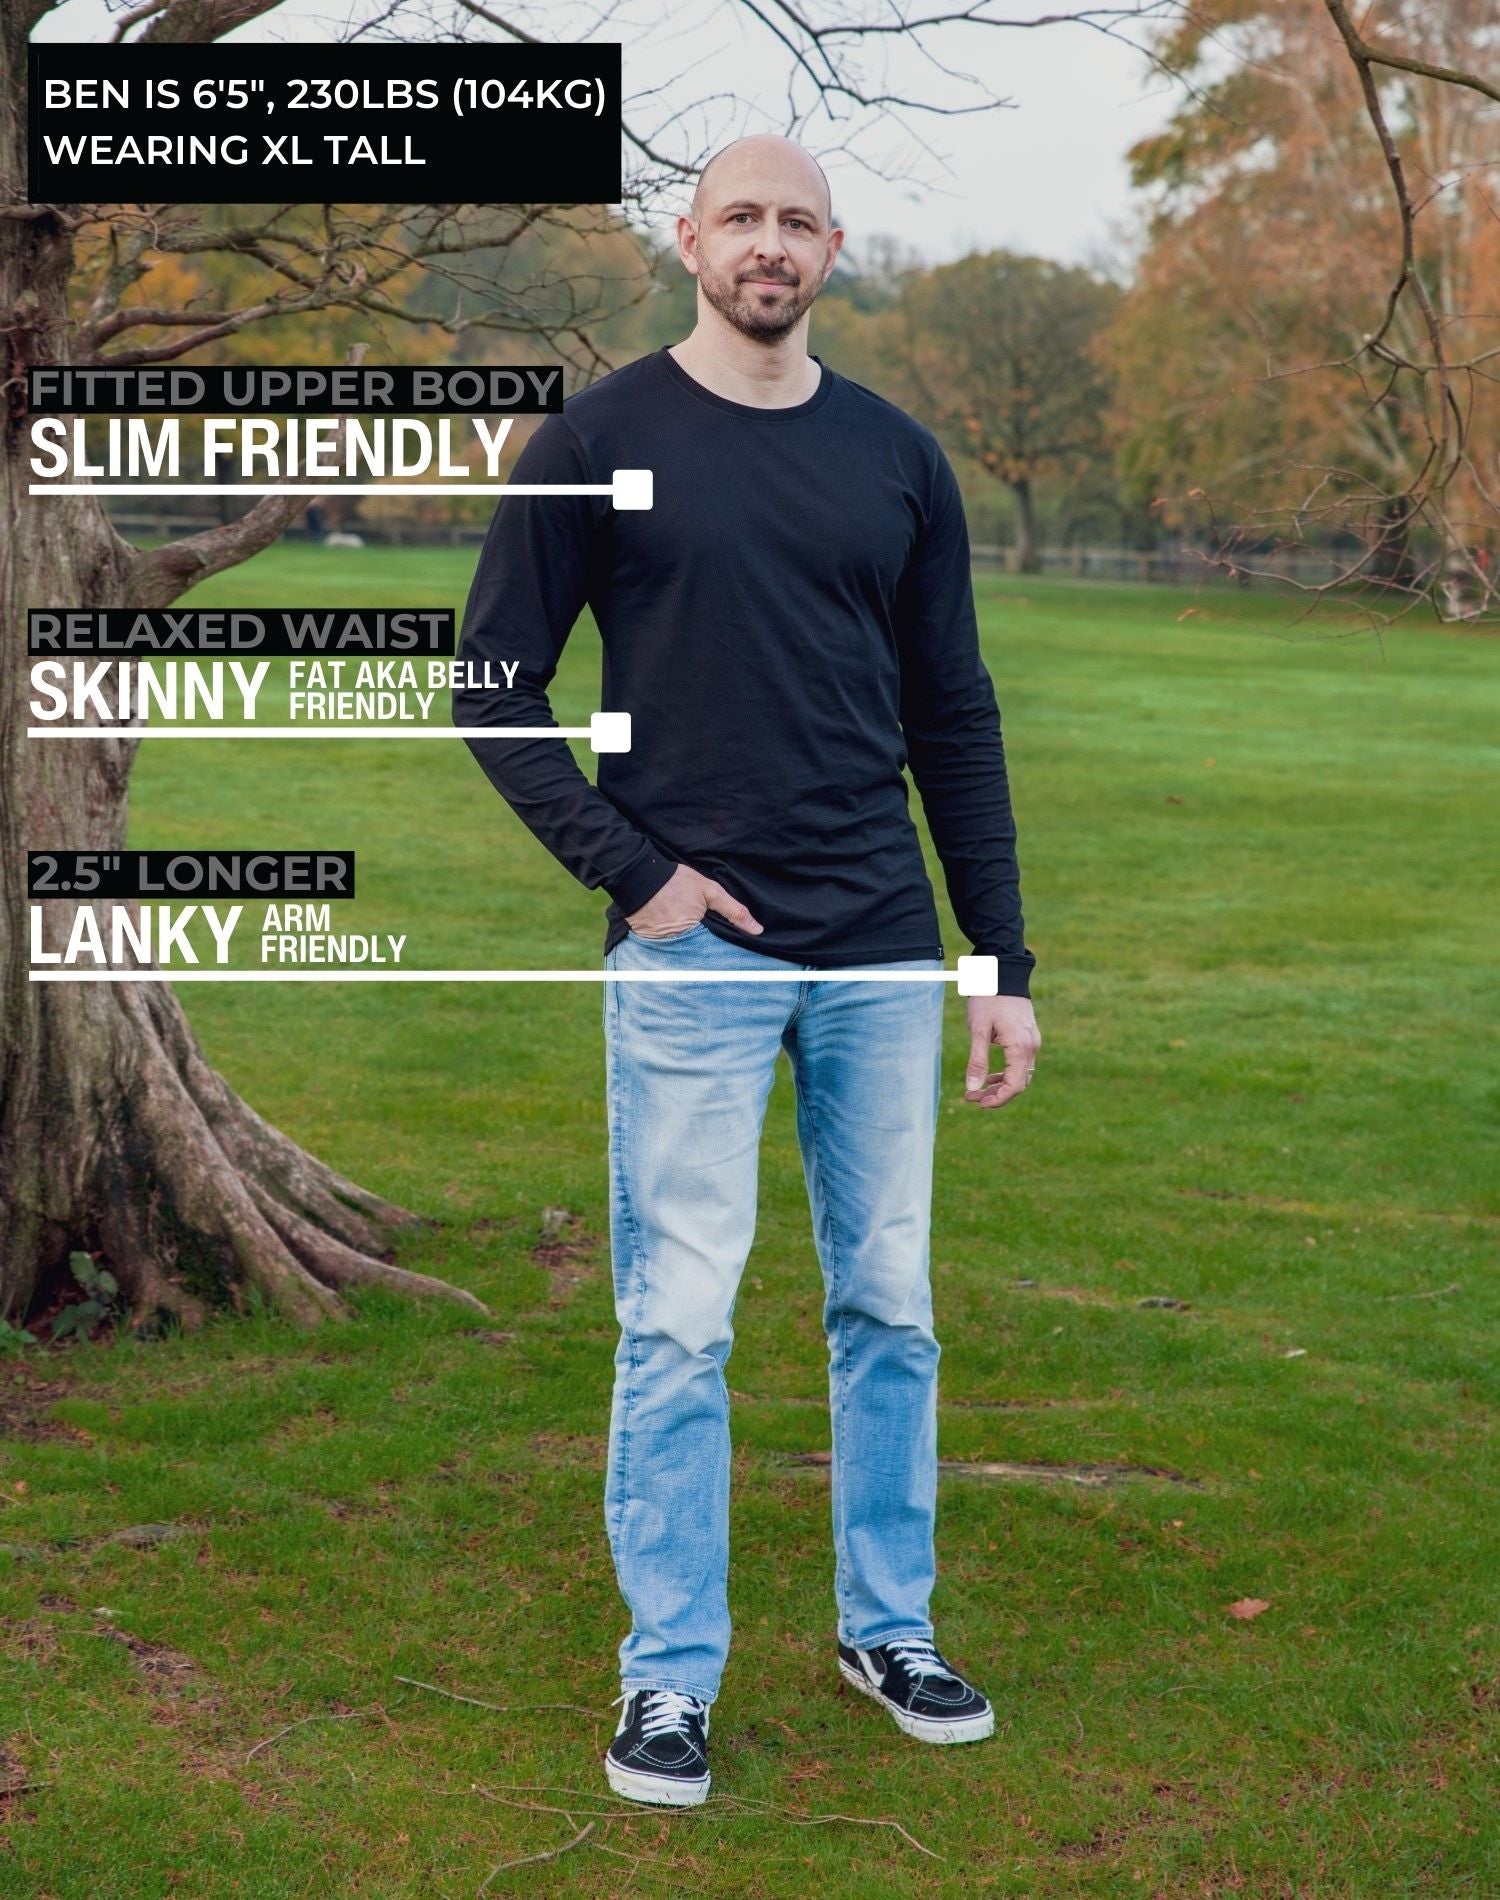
pixel 1044 174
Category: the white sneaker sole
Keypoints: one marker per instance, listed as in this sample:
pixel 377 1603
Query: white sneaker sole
pixel 925 1728
pixel 665 1791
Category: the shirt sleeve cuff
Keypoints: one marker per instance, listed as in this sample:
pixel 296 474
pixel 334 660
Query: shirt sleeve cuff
pixel 1015 975
pixel 641 879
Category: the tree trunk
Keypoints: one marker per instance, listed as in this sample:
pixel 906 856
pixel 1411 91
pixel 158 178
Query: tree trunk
pixel 116 1137
pixel 1027 557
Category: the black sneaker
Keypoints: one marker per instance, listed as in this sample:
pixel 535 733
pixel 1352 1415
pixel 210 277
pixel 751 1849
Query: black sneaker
pixel 660 1750
pixel 925 1697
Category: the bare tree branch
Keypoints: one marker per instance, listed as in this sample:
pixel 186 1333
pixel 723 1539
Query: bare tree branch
pixel 200 22
pixel 159 575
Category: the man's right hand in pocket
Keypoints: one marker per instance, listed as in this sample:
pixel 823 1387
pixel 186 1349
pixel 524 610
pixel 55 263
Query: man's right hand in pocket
pixel 686 899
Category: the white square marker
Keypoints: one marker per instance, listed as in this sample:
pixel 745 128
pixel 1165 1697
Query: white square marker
pixel 979 976
pixel 632 487
pixel 610 732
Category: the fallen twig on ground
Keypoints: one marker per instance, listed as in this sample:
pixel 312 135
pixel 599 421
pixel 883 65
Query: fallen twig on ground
pixel 715 1805
pixel 526 1860
pixel 500 1708
pixel 323 1715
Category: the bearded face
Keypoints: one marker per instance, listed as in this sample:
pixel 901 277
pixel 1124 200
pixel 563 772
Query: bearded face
pixel 762 298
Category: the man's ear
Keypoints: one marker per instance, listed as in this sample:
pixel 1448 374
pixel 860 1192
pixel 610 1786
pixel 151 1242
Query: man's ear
pixel 835 245
pixel 687 244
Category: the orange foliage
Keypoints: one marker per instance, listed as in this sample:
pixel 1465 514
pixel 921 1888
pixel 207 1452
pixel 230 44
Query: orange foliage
pixel 1273 245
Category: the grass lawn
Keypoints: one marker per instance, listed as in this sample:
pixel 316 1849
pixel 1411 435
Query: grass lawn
pixel 1258 864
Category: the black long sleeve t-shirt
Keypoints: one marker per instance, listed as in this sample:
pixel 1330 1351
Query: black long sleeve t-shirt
pixel 789 626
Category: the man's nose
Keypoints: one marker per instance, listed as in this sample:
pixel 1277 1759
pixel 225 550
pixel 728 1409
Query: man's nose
pixel 768 239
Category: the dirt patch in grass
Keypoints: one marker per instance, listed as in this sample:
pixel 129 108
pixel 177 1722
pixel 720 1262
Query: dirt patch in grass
pixel 1102 1843
pixel 820 1404
pixel 163 1668
pixel 1088 1475
pixel 1095 1296
pixel 564 1252
pixel 29 1639
pixel 24 1400
pixel 1341 1211
pixel 15 1780
pixel 570 1449
pixel 319 1421
pixel 1026 1405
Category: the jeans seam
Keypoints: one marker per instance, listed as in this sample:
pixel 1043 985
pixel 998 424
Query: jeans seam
pixel 841 1331
pixel 637 1278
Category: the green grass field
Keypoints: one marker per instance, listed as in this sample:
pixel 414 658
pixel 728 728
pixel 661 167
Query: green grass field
pixel 1258 865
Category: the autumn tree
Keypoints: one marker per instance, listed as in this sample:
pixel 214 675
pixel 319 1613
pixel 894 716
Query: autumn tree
pixel 1307 353
pixel 999 354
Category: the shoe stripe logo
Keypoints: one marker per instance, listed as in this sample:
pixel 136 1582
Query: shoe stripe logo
pixel 876 1677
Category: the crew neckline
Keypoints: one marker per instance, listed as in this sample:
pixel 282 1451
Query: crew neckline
pixel 780 413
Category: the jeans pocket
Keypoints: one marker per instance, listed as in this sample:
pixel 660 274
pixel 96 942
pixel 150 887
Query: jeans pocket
pixel 680 936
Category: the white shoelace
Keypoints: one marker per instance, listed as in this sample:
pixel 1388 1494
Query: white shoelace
pixel 920 1656
pixel 665 1711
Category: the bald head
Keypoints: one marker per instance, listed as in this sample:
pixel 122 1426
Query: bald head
pixel 749 165
pixel 760 238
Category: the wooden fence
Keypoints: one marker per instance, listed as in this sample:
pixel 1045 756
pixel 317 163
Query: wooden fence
pixel 1176 567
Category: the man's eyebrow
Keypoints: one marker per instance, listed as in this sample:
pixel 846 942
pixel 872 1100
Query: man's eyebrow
pixel 749 204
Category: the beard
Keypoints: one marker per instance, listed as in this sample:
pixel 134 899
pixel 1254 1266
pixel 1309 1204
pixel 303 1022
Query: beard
pixel 755 312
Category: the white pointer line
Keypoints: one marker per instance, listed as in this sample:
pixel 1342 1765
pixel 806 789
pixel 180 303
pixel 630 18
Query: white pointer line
pixel 605 732
pixel 332 486
pixel 495 976
pixel 309 732
pixel 627 488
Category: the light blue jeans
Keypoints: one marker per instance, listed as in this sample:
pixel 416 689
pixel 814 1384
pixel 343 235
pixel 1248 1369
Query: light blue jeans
pixel 689 1068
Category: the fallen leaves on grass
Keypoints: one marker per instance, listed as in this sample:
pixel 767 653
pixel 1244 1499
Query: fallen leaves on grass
pixel 1246 1609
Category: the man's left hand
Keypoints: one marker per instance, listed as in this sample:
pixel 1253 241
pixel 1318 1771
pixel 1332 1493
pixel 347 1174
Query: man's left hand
pixel 1010 1022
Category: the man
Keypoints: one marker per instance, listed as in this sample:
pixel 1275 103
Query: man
pixel 788 626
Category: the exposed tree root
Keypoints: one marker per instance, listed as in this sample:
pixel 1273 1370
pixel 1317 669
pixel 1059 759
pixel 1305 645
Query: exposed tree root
pixel 339 1266
pixel 191 1197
